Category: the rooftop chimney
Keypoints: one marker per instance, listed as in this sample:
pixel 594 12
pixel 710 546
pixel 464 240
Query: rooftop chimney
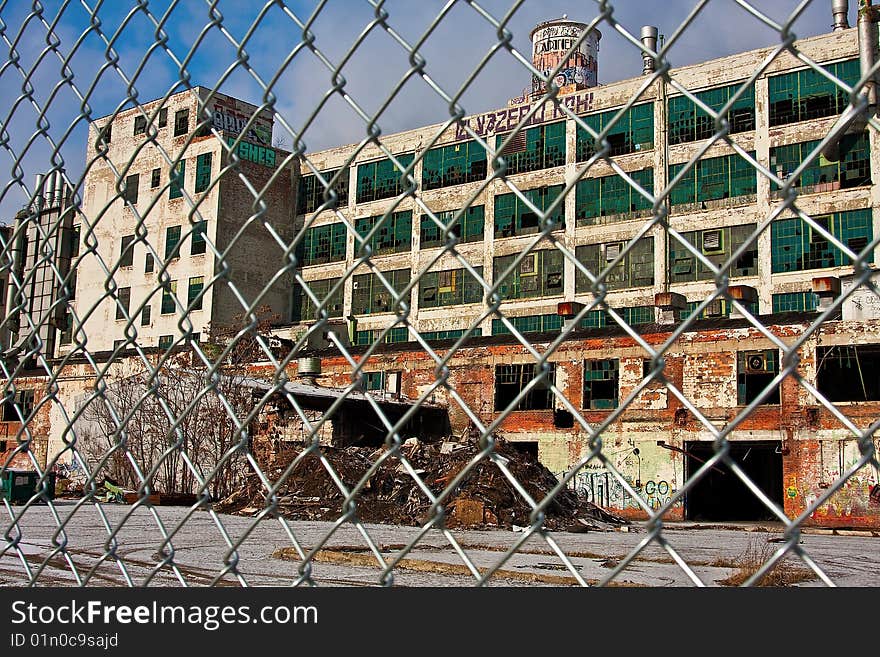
pixel 649 40
pixel 840 9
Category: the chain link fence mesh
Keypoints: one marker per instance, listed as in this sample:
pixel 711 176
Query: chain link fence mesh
pixel 183 417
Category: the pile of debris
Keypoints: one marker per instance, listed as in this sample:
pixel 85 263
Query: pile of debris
pixel 484 497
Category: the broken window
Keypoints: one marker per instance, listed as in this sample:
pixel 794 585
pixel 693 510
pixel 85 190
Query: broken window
pixel 178 178
pixel 687 122
pixel 632 132
pixel 635 269
pixel 130 189
pixel 322 244
pixel 849 372
pixel 514 217
pixel 382 179
pixel 311 190
pixel 611 198
pixel 140 125
pixel 713 179
pixel 716 245
pixel 123 296
pixel 126 251
pixel 808 94
pixel 528 324
pixel 166 341
pixel 453 165
pixel 18 407
pixel 538 274
pixel 795 302
pixel 203 172
pixel 451 287
pixel 467 228
pixel 393 235
pixel 395 335
pixel 754 372
pixel 541 147
pixel 198 245
pixel 796 245
pixel 305 310
pixel 511 380
pixel 852 170
pixel 374 380
pixel 370 295
pixel 155 178
pixel 181 122
pixel 601 383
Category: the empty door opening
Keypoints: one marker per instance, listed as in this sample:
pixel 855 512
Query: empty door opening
pixel 721 495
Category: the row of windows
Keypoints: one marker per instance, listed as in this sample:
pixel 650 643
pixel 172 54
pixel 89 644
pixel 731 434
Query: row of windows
pixel 844 373
pixel 602 200
pixel 794 97
pixel 755 371
pixel 181 125
pixel 193 300
pixel 198 246
pixel 795 245
pixel 177 177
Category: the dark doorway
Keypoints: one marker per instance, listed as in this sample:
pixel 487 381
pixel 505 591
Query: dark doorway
pixel 721 495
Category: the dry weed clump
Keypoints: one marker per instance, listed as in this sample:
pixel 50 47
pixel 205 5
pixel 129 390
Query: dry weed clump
pixel 786 572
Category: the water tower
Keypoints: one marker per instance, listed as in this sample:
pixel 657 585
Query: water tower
pixel 551 41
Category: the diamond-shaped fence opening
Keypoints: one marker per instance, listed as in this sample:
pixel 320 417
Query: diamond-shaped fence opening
pixel 333 287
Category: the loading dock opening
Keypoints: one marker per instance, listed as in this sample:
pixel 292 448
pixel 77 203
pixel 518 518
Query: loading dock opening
pixel 720 494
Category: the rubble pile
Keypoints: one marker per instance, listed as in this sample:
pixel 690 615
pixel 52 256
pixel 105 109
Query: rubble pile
pixel 484 498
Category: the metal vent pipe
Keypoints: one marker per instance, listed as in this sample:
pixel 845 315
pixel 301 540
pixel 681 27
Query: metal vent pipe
pixel 649 40
pixel 839 10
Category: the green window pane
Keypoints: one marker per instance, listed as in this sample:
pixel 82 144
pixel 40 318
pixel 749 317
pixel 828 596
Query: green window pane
pixel 178 176
pixel 168 298
pixel 631 133
pixel 635 269
pixel 198 244
pixel 203 172
pixel 453 165
pixel 172 240
pixel 611 198
pixel 514 217
pixel 797 246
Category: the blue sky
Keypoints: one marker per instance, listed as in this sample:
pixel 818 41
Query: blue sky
pixel 452 51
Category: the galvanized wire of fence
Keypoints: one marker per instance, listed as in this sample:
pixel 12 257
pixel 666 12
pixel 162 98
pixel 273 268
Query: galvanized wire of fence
pixel 174 406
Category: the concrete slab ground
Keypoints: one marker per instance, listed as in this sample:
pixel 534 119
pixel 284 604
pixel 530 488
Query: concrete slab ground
pixel 268 555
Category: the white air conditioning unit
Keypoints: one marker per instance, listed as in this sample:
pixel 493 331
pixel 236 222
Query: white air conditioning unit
pixel 612 251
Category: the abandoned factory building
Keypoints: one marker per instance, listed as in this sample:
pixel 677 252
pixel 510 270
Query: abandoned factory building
pixel 185 244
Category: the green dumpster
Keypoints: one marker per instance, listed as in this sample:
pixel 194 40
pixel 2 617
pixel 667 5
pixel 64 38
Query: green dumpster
pixel 19 486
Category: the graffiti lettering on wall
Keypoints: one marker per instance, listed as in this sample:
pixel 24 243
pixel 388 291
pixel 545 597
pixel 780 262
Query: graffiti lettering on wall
pixel 233 123
pixel 254 153
pixel 507 119
pixel 604 489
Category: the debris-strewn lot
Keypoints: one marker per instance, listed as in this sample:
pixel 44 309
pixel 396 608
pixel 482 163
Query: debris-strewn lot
pixel 484 498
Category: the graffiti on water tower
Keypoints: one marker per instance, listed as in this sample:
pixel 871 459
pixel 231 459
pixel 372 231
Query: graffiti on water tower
pixel 549 46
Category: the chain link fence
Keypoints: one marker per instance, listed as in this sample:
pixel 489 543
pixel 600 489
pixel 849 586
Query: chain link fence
pixel 218 403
